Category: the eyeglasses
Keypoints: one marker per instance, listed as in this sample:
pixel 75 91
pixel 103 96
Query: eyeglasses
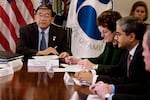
pixel 117 34
pixel 43 15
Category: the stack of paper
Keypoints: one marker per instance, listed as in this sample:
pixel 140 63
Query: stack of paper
pixel 16 64
pixel 8 56
pixel 5 70
pixel 12 59
pixel 48 57
pixel 40 65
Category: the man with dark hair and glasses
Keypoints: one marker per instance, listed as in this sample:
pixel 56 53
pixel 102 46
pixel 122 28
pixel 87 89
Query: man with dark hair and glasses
pixel 42 37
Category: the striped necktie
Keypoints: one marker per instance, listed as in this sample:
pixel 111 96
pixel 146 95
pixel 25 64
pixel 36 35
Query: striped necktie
pixel 43 42
pixel 128 63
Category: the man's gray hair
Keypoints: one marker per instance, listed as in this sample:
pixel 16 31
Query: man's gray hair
pixel 131 24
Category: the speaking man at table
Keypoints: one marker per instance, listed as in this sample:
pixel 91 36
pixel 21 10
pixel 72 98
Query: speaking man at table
pixel 42 37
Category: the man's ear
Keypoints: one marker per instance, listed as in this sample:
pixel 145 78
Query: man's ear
pixel 132 36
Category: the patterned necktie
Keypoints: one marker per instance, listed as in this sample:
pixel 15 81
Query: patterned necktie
pixel 128 63
pixel 43 42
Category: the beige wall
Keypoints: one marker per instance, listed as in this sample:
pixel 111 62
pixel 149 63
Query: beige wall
pixel 36 3
pixel 124 6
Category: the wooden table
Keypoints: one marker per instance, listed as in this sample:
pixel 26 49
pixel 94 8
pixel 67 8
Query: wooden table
pixel 35 86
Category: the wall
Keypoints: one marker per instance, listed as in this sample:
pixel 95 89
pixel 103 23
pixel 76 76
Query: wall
pixel 124 6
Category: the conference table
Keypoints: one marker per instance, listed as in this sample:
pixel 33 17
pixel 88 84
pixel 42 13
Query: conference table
pixel 26 85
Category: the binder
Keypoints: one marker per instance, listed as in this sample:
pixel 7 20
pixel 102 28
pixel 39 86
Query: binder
pixel 9 56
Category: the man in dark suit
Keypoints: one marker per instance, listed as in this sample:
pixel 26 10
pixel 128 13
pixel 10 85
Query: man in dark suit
pixel 135 91
pixel 55 38
pixel 129 34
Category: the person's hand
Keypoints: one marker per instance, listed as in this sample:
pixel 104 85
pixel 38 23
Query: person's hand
pixel 72 60
pixel 51 50
pixel 86 64
pixel 48 51
pixel 63 55
pixel 101 89
pixel 84 76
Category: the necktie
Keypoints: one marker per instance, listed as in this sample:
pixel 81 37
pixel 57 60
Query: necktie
pixel 43 42
pixel 128 63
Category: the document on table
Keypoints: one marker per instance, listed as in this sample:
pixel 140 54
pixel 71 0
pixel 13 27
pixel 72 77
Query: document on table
pixel 5 69
pixel 48 57
pixel 16 64
pixel 68 68
pixel 35 65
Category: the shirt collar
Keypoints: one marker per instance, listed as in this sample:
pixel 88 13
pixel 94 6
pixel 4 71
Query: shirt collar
pixel 132 51
pixel 45 31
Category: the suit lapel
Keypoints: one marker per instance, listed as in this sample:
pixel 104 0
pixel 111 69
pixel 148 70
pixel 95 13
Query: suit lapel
pixel 138 49
pixel 135 57
pixel 51 35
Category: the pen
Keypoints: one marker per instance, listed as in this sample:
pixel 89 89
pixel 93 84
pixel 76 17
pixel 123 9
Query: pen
pixel 55 47
pixel 56 50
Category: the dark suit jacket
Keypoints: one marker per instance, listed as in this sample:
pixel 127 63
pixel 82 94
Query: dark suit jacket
pixel 138 91
pixel 118 73
pixel 28 41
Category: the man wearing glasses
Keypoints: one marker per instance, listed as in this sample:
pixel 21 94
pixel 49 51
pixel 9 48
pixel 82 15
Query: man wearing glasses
pixel 42 37
pixel 134 91
pixel 131 68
